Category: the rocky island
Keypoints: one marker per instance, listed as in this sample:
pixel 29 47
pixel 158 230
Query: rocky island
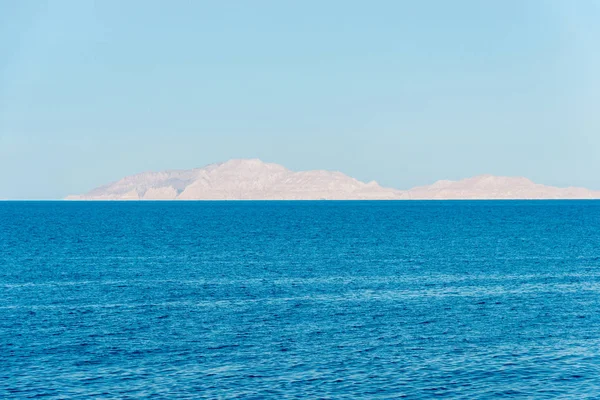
pixel 253 179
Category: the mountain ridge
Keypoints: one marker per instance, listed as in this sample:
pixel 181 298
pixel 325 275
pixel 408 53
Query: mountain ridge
pixel 254 179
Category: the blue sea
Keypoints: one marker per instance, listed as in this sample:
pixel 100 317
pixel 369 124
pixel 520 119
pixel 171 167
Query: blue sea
pixel 325 299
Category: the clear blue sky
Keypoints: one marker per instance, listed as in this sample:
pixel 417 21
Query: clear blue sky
pixel 403 92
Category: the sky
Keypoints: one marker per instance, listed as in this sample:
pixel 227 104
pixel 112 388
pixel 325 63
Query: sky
pixel 402 92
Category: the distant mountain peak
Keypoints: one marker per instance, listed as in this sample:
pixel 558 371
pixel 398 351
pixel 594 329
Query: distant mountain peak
pixel 239 179
pixel 497 187
pixel 244 162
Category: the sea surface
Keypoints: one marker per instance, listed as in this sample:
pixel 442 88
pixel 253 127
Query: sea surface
pixel 373 299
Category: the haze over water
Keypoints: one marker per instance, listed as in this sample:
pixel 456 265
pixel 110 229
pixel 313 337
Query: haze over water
pixel 300 299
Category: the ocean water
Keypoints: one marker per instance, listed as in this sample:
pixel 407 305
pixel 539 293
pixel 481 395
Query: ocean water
pixel 490 299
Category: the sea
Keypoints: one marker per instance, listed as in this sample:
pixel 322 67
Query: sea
pixel 300 299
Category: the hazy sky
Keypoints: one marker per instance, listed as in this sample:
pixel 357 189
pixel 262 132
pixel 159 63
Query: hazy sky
pixel 403 92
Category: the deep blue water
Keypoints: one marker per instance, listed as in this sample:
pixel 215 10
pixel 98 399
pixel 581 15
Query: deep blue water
pixel 300 299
